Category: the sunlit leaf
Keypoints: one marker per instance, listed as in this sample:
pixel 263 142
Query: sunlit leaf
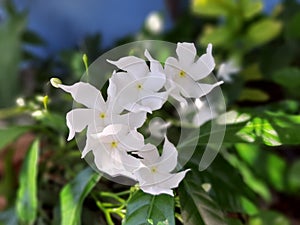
pixel 251 8
pixel 263 31
pixel 143 207
pixel 197 207
pixel 213 7
pixel 266 165
pixel 27 202
pixel 73 195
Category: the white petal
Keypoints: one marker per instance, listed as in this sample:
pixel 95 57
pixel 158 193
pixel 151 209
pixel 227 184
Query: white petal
pixel 206 88
pixel 132 141
pixel 186 53
pixel 168 159
pixel 154 81
pixel 188 87
pixel 155 65
pixel 86 94
pixel 172 67
pixel 154 100
pixel 132 120
pixel 149 153
pixel 173 180
pixel 132 64
pixel 78 119
pixel 91 144
pixel 204 65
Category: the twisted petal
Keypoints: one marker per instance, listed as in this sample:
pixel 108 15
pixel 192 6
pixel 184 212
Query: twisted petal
pixel 86 94
pixel 168 159
pixel 132 65
pixel 78 119
pixel 155 65
pixel 204 65
pixel 186 53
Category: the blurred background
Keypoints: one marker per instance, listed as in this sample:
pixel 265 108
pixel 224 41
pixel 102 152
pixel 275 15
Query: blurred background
pixel 257 42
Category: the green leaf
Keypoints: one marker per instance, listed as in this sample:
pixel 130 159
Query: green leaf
pixel 293 177
pixel 213 8
pixel 265 164
pixel 251 94
pixel 197 207
pixel 8 135
pixel 251 8
pixel 143 207
pixel 26 203
pixel 263 31
pixel 292 26
pixel 269 217
pixel 218 36
pixel 11 31
pixel 73 195
pixel 289 78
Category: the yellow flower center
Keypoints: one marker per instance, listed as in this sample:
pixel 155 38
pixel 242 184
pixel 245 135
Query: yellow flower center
pixel 153 169
pixel 102 115
pixel 114 144
pixel 182 73
pixel 139 86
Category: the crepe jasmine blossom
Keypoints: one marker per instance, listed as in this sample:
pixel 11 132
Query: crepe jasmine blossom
pixel 184 74
pixel 226 70
pixel 139 87
pixel 98 113
pixel 155 174
pixel 111 149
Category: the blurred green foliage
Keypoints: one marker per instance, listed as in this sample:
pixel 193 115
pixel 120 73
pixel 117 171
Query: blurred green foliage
pixel 255 178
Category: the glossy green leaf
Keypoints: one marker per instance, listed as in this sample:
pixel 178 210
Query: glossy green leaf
pixel 197 207
pixel 8 135
pixel 143 207
pixel 266 165
pixel 73 195
pixel 263 31
pixel 27 202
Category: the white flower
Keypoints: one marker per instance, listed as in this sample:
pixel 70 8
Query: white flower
pixel 138 89
pixel 154 176
pixel 111 150
pixel 226 70
pixel 97 115
pixel 154 23
pixel 204 113
pixel 184 74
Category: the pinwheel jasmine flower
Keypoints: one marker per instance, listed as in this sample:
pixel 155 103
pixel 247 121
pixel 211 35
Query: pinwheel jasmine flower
pixel 139 88
pixel 154 175
pixel 226 70
pixel 112 147
pixel 184 74
pixel 97 115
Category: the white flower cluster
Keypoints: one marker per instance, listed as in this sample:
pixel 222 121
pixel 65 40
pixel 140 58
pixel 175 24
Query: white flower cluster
pixel 112 136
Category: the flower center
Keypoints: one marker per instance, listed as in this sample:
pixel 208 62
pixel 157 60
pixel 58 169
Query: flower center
pixel 182 73
pixel 139 86
pixel 153 169
pixel 114 144
pixel 102 115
